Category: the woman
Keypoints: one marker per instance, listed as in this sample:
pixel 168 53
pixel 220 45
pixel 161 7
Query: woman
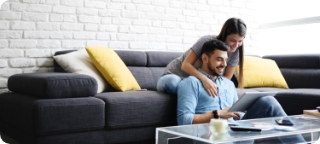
pixel 232 33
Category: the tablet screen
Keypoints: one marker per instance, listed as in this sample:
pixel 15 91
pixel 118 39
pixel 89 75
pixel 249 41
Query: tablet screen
pixel 248 99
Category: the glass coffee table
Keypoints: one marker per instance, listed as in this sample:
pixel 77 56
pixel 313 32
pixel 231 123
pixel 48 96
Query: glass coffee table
pixel 304 125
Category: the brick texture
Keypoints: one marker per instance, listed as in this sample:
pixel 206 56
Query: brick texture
pixel 32 30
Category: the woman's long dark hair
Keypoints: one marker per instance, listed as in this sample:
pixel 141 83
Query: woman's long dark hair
pixel 235 26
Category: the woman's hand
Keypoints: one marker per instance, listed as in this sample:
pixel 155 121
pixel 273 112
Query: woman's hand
pixel 210 86
pixel 225 114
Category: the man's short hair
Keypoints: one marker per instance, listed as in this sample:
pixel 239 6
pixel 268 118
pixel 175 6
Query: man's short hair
pixel 209 47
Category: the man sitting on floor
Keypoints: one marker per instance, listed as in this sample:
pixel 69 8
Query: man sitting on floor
pixel 196 106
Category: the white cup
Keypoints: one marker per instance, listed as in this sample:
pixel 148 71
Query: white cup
pixel 219 126
pixel 216 137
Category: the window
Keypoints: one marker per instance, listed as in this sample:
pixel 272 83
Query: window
pixel 288 27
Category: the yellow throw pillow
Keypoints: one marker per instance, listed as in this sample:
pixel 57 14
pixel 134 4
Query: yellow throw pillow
pixel 112 68
pixel 259 72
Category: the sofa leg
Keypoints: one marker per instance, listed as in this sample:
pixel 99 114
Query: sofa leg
pixel 7 139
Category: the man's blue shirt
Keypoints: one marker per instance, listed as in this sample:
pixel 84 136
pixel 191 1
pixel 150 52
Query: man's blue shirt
pixel 194 99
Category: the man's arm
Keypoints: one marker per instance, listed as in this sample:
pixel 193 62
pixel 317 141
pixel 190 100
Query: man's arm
pixel 188 92
pixel 202 118
pixel 187 100
pixel 205 118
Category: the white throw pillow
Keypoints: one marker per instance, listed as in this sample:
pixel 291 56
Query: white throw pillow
pixel 79 62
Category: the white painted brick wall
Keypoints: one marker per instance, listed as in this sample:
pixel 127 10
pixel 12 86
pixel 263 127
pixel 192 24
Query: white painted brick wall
pixel 35 53
pixel 31 31
pixel 23 43
pixel 63 10
pixel 39 8
pixel 11 53
pixel 47 26
pixel 52 2
pixel 56 17
pixel 34 17
pixel 96 4
pixel 11 34
pixel 61 35
pixel 4 25
pixel 3 63
pixel 87 11
pixel 71 27
pixel 7 72
pixel 10 16
pixel 91 27
pixel 73 3
pixel 19 25
pixel 36 35
pixel 69 18
pixel 3 83
pixel 3 43
pixel 5 7
pixel 44 62
pixel 71 44
pixel 22 62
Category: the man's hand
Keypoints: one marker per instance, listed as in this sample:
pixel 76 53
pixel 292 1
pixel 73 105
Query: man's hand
pixel 210 87
pixel 225 114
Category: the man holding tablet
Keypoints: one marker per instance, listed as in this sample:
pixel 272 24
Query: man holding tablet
pixel 195 105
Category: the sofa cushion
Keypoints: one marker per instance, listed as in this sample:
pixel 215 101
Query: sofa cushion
pixel 138 109
pixel 145 66
pixel 147 77
pixel 79 62
pixel 133 58
pixel 299 61
pixel 53 85
pixel 57 67
pixel 161 59
pixel 51 116
pixel 294 101
pixel 301 78
pixel 112 68
pixel 258 72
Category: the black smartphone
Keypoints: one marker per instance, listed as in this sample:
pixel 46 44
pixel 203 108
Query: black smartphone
pixel 284 122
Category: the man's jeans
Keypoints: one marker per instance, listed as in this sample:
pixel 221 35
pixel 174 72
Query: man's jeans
pixel 168 83
pixel 268 106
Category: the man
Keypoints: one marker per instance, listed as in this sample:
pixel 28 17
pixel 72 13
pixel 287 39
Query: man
pixel 196 106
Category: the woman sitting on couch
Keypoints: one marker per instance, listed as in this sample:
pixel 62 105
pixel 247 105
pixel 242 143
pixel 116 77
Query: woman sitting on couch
pixel 232 33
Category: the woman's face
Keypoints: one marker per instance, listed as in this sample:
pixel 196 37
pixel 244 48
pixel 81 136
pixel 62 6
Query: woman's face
pixel 234 41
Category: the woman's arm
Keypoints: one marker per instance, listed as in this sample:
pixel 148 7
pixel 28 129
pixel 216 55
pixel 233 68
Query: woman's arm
pixel 187 66
pixel 228 72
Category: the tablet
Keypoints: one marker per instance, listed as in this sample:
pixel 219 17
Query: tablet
pixel 248 99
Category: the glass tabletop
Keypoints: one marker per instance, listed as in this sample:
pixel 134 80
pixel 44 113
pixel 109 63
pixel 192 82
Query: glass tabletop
pixel 204 133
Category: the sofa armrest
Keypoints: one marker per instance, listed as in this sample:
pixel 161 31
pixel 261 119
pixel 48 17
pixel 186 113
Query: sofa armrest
pixel 53 85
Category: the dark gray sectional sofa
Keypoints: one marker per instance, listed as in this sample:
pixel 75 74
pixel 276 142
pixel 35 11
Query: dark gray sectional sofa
pixel 302 74
pixel 59 107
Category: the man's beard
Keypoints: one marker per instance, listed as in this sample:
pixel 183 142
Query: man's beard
pixel 213 71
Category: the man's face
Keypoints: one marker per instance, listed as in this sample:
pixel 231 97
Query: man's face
pixel 217 62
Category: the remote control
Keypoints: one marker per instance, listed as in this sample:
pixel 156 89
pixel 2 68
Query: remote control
pixel 242 128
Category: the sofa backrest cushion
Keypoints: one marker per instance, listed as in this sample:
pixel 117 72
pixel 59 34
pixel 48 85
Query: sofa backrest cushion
pixel 259 72
pixel 112 68
pixel 53 85
pixel 145 66
pixel 299 71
